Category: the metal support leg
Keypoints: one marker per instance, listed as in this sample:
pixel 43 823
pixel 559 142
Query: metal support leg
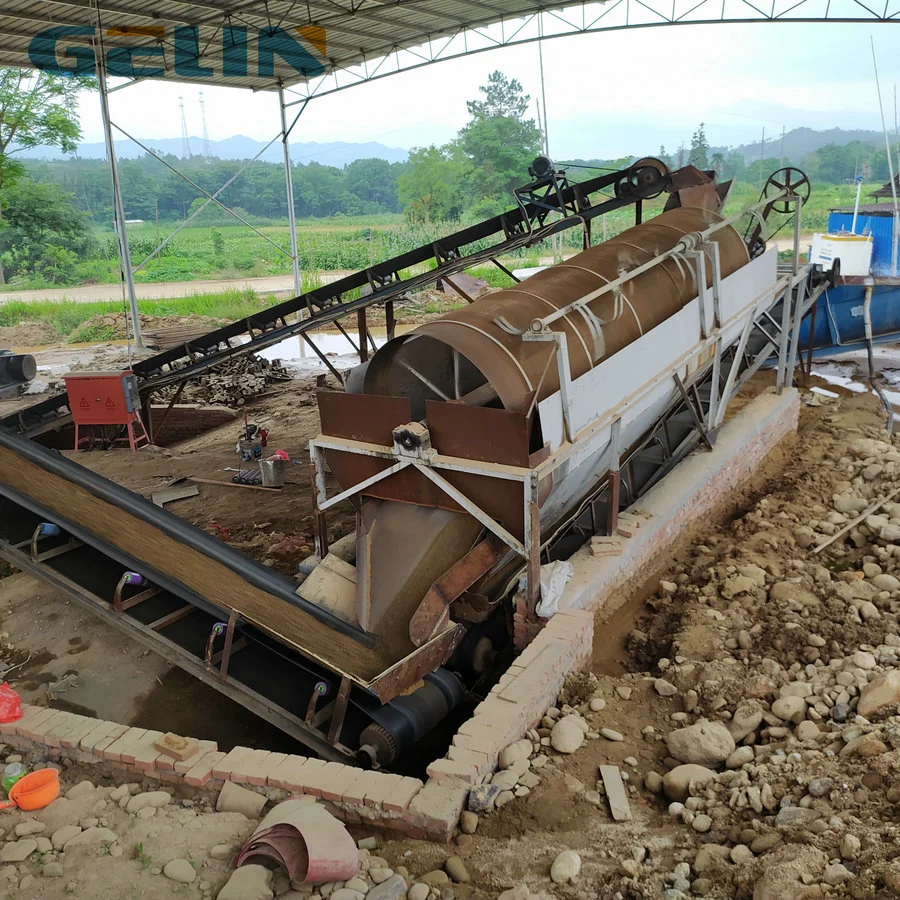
pixel 390 323
pixel 784 339
pixel 340 710
pixel 612 510
pixel 795 334
pixel 118 209
pixel 363 335
pixel 532 544
pixel 289 187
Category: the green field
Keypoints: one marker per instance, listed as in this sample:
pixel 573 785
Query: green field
pixel 210 252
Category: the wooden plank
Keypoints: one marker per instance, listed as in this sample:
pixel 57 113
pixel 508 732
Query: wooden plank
pixel 615 793
pixel 161 498
pixel 234 484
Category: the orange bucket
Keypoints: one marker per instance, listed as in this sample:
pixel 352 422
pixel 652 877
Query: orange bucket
pixel 34 791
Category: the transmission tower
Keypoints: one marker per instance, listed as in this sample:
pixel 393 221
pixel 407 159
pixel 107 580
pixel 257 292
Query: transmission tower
pixel 206 154
pixel 185 140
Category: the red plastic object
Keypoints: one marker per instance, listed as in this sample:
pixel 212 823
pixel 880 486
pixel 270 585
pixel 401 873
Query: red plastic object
pixel 311 844
pixel 10 704
pixel 106 398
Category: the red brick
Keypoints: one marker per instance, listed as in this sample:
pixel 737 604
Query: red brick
pixel 60 725
pixel 401 796
pixel 335 780
pixel 230 760
pixel 72 739
pixel 28 712
pixel 291 772
pixel 113 736
pixel 30 725
pixel 97 733
pixel 251 767
pixel 450 770
pixel 201 772
pixel 144 753
pixel 203 747
pixel 114 751
pixel 382 788
pixel 356 791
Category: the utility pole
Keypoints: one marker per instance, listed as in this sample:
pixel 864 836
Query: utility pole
pixel 762 155
pixel 185 140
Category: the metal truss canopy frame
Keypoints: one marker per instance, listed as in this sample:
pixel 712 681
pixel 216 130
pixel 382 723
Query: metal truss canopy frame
pixel 329 45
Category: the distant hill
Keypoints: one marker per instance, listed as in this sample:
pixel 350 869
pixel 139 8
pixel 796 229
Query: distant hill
pixel 335 153
pixel 800 141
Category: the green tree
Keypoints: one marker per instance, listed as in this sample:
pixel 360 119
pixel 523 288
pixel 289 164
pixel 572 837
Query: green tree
pixel 432 186
pixel 499 143
pixel 699 155
pixel 43 234
pixel 36 110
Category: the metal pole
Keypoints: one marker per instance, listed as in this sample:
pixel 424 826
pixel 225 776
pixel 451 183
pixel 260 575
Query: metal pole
pixel 289 185
pixel 118 210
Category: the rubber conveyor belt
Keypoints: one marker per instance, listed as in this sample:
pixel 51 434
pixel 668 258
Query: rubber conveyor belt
pixel 182 558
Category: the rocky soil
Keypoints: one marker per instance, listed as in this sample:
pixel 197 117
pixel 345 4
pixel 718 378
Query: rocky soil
pixel 757 733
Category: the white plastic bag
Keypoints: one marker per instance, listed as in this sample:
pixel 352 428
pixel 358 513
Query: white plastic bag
pixel 554 578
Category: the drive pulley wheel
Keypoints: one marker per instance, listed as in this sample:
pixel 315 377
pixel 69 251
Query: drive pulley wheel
pixel 794 181
pixel 644 180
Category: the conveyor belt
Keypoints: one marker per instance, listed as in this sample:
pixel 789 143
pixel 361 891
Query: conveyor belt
pixel 182 558
pixel 520 227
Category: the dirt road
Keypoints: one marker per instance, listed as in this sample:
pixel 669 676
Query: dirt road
pixel 88 293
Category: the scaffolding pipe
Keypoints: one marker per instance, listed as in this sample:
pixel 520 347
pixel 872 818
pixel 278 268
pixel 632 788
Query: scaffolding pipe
pixel 118 210
pixel 289 186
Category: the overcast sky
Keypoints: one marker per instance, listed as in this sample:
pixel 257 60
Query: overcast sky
pixel 607 94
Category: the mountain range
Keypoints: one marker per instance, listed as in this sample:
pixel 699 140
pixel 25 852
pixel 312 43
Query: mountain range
pixel 334 153
pixel 800 141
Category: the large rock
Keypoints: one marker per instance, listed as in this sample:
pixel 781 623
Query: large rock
pixel 148 800
pixel 704 744
pixel 747 718
pixel 18 851
pixel 738 584
pixel 248 883
pixel 394 888
pixel 180 870
pixel 880 693
pixel 793 595
pixel 234 798
pixel 91 837
pixel 567 735
pixel 886 582
pixel 677 782
pixel 790 709
pixel 521 749
pixel 565 867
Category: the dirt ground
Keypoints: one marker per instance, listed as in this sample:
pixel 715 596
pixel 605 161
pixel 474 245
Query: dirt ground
pixel 743 615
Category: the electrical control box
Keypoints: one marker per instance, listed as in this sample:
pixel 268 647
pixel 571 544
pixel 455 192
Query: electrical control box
pixel 103 398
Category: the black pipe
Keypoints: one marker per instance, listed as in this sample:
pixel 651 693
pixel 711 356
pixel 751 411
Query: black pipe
pixel 16 368
pixel 402 723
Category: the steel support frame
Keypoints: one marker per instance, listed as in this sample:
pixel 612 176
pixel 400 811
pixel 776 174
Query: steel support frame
pixel 174 654
pixel 126 265
pixel 118 208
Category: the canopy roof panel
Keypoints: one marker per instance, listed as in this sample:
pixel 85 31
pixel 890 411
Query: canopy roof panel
pixel 259 44
pixel 327 45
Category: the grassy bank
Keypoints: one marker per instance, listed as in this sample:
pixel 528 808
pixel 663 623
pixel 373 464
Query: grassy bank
pixel 83 322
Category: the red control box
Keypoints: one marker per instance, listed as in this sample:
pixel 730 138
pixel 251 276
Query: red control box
pixel 103 398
